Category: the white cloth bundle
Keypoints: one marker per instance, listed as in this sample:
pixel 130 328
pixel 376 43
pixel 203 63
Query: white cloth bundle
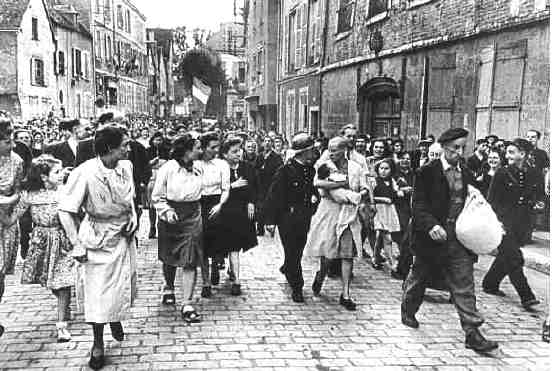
pixel 477 226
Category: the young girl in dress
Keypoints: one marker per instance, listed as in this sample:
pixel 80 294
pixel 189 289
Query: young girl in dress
pixel 48 261
pixel 386 220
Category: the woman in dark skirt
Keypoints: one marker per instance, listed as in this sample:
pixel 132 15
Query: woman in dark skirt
pixel 215 190
pixel 237 223
pixel 176 197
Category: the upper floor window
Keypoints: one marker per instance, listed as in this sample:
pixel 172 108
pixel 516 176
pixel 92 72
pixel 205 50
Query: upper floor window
pixel 345 15
pixel 34 28
pixel 61 63
pixel 128 22
pixel 107 11
pixel 120 19
pixel 376 9
pixel 37 72
pixel 292 41
pixel 315 19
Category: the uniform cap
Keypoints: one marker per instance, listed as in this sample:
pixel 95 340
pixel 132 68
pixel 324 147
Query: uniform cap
pixel 301 142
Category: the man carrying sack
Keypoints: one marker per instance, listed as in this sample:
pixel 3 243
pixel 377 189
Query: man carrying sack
pixel 439 194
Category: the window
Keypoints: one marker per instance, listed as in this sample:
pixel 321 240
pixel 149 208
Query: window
pixel 98 43
pixel 109 55
pixel 292 41
pixel 37 72
pixel 376 9
pixel 314 32
pixel 34 28
pixel 345 15
pixel 260 67
pixel 77 62
pixel 61 63
pixel 241 73
pixel 86 65
pixel 107 11
pixel 120 20
pixel 127 27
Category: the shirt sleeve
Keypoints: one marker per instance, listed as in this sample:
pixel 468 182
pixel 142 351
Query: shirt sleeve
pixel 225 176
pixel 159 193
pixel 74 192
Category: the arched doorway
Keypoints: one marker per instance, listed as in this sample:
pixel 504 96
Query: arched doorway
pixel 380 108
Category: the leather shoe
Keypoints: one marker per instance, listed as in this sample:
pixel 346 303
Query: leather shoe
pixel 476 341
pixel 1 330
pixel 409 320
pixel 495 292
pixel 235 289
pixel 317 284
pixel 347 303
pixel 97 359
pixel 282 269
pixel 117 331
pixel 206 292
pixel 297 296
pixel 529 304
pixel 215 275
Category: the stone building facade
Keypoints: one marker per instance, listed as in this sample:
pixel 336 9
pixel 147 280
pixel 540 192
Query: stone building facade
pixel 27 46
pixel 409 68
pixel 301 53
pixel 120 56
pixel 261 53
pixel 160 43
pixel 73 62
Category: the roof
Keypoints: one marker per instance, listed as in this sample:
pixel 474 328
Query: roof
pixel 61 20
pixel 12 13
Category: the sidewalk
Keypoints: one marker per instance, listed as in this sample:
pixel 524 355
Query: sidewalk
pixel 537 255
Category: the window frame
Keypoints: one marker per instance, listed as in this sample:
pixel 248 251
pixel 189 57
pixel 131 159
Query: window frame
pixel 35 61
pixel 379 16
pixel 342 33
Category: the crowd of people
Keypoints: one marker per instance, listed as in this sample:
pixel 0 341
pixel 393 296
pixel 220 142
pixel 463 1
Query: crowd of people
pixel 211 192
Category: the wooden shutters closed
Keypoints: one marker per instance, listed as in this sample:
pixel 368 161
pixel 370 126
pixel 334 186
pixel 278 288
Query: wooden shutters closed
pixel 441 93
pixel 501 75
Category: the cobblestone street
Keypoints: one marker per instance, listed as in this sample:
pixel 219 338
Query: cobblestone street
pixel 264 330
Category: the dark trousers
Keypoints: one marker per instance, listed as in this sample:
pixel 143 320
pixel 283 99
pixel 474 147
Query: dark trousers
pixel 457 270
pixel 293 229
pixel 404 261
pixel 509 262
pixel 25 228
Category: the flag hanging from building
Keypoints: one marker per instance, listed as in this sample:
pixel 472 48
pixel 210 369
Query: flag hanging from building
pixel 200 90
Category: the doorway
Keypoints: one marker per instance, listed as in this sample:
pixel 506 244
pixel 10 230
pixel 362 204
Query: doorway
pixel 380 108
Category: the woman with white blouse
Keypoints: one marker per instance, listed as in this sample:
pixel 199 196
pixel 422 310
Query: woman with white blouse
pixel 215 190
pixel 176 196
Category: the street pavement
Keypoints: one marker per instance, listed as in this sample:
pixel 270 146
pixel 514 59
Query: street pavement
pixel 264 330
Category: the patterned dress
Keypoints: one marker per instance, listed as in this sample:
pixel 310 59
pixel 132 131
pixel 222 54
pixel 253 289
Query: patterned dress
pixel 11 175
pixel 48 261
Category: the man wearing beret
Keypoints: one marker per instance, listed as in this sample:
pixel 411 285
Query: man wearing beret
pixel 514 191
pixel 290 203
pixel 439 194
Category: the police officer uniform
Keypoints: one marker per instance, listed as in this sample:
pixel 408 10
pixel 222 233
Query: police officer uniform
pixel 290 203
pixel 512 194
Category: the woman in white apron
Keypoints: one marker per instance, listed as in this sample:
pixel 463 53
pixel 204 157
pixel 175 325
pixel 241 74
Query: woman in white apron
pixel 104 242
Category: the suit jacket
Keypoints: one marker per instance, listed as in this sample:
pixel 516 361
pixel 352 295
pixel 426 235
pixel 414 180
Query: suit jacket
pixel 431 204
pixel 85 151
pixel 266 168
pixel 62 151
pixel 513 197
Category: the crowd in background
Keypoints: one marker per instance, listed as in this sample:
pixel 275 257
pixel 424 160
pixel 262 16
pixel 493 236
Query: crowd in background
pixel 209 190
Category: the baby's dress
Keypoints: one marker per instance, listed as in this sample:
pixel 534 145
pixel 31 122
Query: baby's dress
pixel 48 261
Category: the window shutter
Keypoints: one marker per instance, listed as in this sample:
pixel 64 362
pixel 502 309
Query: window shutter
pixel 285 45
pixel 298 39
pixel 304 40
pixel 484 91
pixel 441 93
pixel 55 64
pixel 73 70
pixel 45 75
pixel 32 76
pixel 319 33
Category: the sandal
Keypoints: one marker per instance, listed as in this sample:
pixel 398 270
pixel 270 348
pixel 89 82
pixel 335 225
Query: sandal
pixel 347 303
pixel 189 315
pixel 168 297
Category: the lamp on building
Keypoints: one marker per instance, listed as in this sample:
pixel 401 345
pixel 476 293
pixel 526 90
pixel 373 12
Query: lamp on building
pixel 376 45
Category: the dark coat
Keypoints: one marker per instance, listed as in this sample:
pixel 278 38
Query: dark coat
pixel 26 155
pixel 291 189
pixel 513 196
pixel 475 165
pixel 62 151
pixel 430 206
pixel 85 151
pixel 266 168
pixel 415 159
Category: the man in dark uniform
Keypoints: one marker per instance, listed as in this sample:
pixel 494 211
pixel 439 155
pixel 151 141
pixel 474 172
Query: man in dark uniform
pixel 66 151
pixel 290 203
pixel 513 193
pixel 267 164
pixel 439 193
